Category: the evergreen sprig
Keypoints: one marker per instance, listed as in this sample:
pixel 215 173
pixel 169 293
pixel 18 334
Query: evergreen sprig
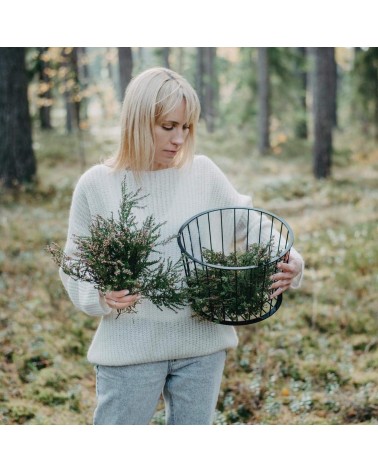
pixel 119 255
pixel 230 294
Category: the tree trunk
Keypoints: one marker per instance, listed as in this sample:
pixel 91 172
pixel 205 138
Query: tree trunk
pixel 180 60
pixel 71 88
pixel 125 59
pixel 365 84
pixel 109 65
pixel 264 100
pixel 301 131
pixel 166 52
pixel 209 88
pixel 376 105
pixel 84 80
pixel 76 96
pixel 323 112
pixel 310 76
pixel 333 87
pixel 200 74
pixel 141 53
pixel 17 160
pixel 44 94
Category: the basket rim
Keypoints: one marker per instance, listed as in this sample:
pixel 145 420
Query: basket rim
pixel 259 210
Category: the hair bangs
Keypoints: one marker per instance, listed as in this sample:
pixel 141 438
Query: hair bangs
pixel 169 98
pixel 192 108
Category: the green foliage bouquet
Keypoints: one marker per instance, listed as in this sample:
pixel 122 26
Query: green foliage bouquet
pixel 116 256
pixel 232 294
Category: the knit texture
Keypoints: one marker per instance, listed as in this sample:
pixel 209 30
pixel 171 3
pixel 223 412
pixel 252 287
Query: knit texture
pixel 172 196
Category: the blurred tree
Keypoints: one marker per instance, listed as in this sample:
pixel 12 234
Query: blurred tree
pixel 323 108
pixel 200 74
pixel 109 64
pixel 207 85
pixel 125 58
pixel 287 92
pixel 180 59
pixel 333 89
pixel 333 81
pixel 243 107
pixel 273 96
pixel 84 82
pixel 301 74
pixel 263 89
pixel 142 59
pixel 166 52
pixel 210 86
pixel 163 56
pixel 71 87
pixel 365 78
pixel 44 88
pixel 112 72
pixel 17 160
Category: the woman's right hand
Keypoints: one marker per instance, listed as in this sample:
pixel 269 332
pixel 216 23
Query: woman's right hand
pixel 120 300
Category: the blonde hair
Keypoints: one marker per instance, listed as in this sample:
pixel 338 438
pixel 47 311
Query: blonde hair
pixel 149 97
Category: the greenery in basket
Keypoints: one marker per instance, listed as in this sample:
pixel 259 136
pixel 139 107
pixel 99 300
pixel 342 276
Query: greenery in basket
pixel 232 295
pixel 116 256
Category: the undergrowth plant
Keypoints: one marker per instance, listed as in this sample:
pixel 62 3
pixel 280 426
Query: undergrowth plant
pixel 232 294
pixel 118 254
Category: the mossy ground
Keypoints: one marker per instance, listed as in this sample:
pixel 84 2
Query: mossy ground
pixel 314 362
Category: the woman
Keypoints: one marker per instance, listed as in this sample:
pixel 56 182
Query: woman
pixel 139 356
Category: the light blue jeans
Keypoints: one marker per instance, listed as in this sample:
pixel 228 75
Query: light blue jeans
pixel 130 394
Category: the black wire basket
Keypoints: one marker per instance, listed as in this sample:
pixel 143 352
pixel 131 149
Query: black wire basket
pixel 229 256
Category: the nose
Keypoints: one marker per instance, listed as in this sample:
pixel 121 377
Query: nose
pixel 178 137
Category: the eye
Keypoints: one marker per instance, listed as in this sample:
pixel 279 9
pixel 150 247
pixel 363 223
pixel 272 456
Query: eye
pixel 167 127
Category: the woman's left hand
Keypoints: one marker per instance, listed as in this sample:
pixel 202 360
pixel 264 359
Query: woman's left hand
pixel 283 279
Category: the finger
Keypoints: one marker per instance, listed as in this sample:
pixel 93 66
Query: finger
pixel 277 292
pixel 281 280
pixel 127 298
pixel 119 294
pixel 285 267
pixel 281 276
pixel 127 302
pixel 131 298
pixel 280 285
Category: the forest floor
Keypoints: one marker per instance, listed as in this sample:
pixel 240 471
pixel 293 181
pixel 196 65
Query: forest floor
pixel 314 362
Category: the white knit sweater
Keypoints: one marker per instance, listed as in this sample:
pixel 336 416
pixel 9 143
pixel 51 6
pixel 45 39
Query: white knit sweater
pixel 173 195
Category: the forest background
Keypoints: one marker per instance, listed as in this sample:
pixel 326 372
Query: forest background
pixel 296 128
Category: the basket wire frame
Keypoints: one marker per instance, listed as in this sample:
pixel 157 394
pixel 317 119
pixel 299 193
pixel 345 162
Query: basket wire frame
pixel 231 230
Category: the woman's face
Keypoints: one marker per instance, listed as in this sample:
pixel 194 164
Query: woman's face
pixel 169 135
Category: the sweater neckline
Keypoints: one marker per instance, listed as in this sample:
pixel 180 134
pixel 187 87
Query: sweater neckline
pixel 154 172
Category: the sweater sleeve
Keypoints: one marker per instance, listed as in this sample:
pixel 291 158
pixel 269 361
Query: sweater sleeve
pixel 225 195
pixel 82 294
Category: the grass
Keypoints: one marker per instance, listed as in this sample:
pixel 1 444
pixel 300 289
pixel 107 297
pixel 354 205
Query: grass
pixel 314 362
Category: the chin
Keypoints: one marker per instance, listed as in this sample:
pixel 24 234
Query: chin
pixel 164 163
